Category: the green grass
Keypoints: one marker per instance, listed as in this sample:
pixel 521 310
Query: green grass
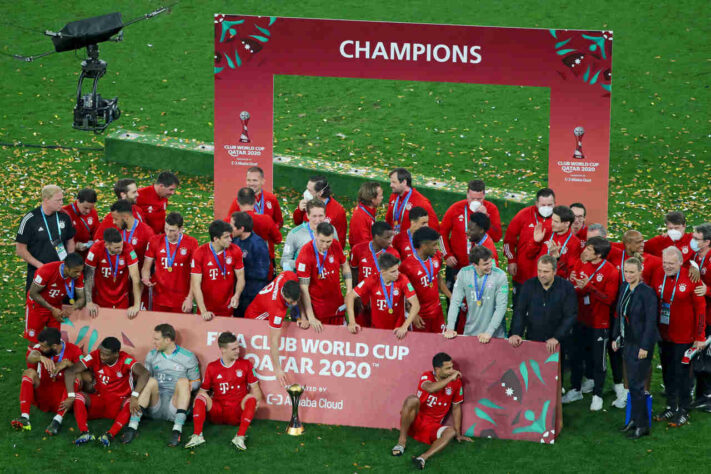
pixel 163 76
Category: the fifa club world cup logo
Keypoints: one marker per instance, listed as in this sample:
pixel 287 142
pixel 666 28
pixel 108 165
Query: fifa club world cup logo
pixel 244 118
pixel 578 153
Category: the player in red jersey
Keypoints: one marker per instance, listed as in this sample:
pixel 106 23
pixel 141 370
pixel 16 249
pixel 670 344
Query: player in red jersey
pixel 700 245
pixel 318 188
pixel 266 203
pixel 43 381
pixel 403 198
pixel 578 227
pixel 560 242
pixel 319 268
pixel 633 246
pixel 388 293
pixel 262 224
pixel 235 393
pixel 153 200
pixel 84 218
pixel 172 253
pixel 271 304
pixel 110 264
pixel 422 414
pixel 123 189
pixel 402 242
pixel 53 282
pixel 423 269
pixel 676 235
pixel 119 382
pixel 217 273
pixel 370 197
pixel 133 231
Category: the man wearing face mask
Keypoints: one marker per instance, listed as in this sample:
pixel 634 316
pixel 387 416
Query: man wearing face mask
pixel 559 242
pixel 675 235
pixel 519 234
pixel 133 231
pixel 403 199
pixel 318 188
pixel 700 244
pixel 303 234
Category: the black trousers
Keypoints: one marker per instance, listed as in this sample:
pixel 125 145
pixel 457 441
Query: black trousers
pixel 516 290
pixel 703 379
pixel 677 376
pixel 588 349
pixel 615 361
pixel 637 371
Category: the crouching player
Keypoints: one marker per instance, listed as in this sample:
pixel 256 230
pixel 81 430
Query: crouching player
pixel 114 372
pixel 421 416
pixel 175 374
pixel 235 393
pixel 43 381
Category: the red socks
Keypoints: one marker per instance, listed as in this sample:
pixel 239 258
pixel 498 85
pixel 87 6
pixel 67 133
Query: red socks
pixel 27 395
pixel 80 414
pixel 199 411
pixel 250 406
pixel 121 419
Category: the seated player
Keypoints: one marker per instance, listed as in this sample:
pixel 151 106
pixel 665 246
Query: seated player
pixel 43 380
pixel 175 374
pixel 52 283
pixel 271 303
pixel 235 393
pixel 387 292
pixel 115 372
pixel 422 414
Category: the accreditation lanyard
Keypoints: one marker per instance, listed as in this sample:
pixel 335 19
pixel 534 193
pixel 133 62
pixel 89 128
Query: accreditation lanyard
pixel 664 282
pixel 375 256
pixel 399 209
pixel 49 233
pixel 81 219
pixel 362 208
pixel 429 269
pixel 622 266
pixel 259 205
pixel 223 269
pixel 597 269
pixel 479 292
pixel 665 308
pixel 319 263
pixel 409 237
pixel 169 256
pixel 113 266
pixel 70 288
pixel 388 296
pixel 624 304
pixel 133 229
pixel 565 244
pixel 701 264
pixel 466 217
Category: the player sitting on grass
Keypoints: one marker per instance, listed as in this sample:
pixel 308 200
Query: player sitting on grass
pixel 235 393
pixel 422 414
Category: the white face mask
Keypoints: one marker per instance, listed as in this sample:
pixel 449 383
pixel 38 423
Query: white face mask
pixel 474 205
pixel 694 244
pixel 674 234
pixel 545 211
pixel 308 196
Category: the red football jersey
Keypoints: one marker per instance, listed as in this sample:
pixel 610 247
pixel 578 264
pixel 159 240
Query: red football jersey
pixel 402 213
pixel 171 287
pixel 218 277
pixel 362 259
pixel 455 225
pixel 107 292
pixel 335 215
pixel 56 287
pixel 403 244
pixel 704 264
pixel 569 251
pixel 85 225
pixel 370 291
pixel 426 287
pixel 518 235
pixel 656 245
pixel 264 226
pixel 153 208
pixel 69 352
pixel 599 295
pixel 326 296
pixel 230 384
pixel 114 380
pixel 269 303
pixel 435 406
pixel 138 236
pixel 618 256
pixel 687 320
pixel 362 220
pixel 108 221
pixel 266 203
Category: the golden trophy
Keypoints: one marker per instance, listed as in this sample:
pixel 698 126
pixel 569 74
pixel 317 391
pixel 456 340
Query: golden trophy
pixel 295 427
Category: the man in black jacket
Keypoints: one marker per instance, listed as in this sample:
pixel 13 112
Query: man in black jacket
pixel 547 308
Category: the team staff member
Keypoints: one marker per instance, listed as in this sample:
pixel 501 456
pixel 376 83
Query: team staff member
pixel 547 308
pixel 45 234
pixel 303 234
pixel 84 219
pixel 519 234
pixel 423 269
pixel 596 282
pixel 403 241
pixel 172 253
pixel 255 256
pixel 109 265
pixel 676 235
pixel 53 283
pixel 266 203
pixel 262 224
pixel 635 332
pixel 486 292
pixel 217 273
pixel 403 198
pixel 318 188
pixel 700 244
pixel 133 231
pixel 124 189
pixel 370 197
pixel 153 200
pixel 682 324
pixel 578 226
pixel 559 242
pixel 319 269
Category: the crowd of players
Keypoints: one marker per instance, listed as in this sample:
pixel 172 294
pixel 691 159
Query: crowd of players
pixel 571 288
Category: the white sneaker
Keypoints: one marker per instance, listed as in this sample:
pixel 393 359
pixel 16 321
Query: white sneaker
pixel 621 394
pixel 195 440
pixel 588 385
pixel 238 441
pixel 572 396
pixel 596 404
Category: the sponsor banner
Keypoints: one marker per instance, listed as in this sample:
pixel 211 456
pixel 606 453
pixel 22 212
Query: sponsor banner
pixel 361 379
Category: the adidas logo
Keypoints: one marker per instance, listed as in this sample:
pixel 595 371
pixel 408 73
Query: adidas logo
pixel 40 229
pixel 162 250
pixel 209 264
pixel 219 377
pixel 101 371
pixel 363 260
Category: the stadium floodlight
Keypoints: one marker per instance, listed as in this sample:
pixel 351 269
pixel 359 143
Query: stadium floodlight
pixel 92 112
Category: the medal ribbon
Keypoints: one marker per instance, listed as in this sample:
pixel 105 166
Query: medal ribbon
pixel 479 293
pixel 171 258
pixel 217 261
pixel 81 219
pixel 399 210
pixel 114 270
pixel 70 292
pixel 133 229
pixel 388 296
pixel 673 292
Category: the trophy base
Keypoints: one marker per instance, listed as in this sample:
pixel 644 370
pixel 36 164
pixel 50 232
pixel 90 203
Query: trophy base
pixel 244 140
pixel 578 155
pixel 295 430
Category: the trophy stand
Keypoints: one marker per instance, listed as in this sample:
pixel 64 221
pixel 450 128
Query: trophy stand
pixel 295 427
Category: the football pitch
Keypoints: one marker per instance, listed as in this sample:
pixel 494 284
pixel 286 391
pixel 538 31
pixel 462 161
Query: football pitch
pixel 163 75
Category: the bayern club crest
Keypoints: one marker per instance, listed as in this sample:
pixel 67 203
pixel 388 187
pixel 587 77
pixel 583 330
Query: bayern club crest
pixel 90 220
pixel 269 205
pixel 682 287
pixel 599 277
pixel 121 261
pixel 409 206
pixel 685 249
pixel 228 260
pixel 448 390
pixel 239 373
pixel 134 241
pixel 330 259
pixel 183 251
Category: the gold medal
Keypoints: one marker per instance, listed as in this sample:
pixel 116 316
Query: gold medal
pixel 169 269
pixel 71 300
pixel 478 302
pixel 431 284
pixel 320 276
pixel 390 311
pixel 114 279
